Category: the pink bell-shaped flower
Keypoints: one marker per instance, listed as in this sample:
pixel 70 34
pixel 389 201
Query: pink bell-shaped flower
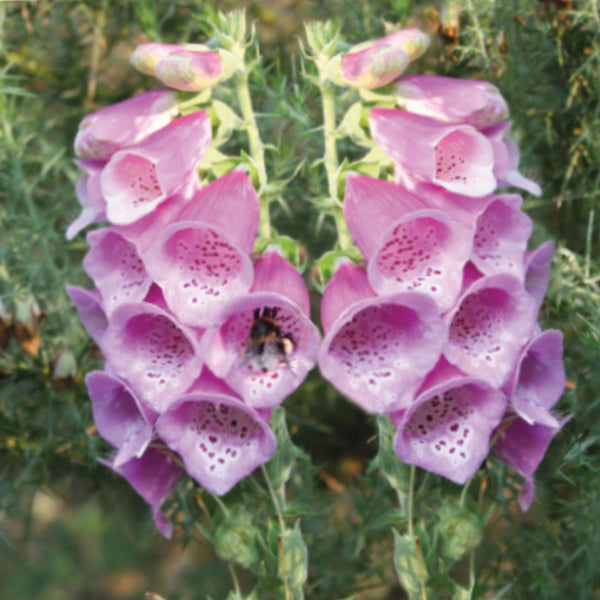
pixel 201 260
pixel 377 350
pixel 91 311
pixel 266 343
pixel 137 179
pixel 490 324
pixel 409 246
pixel 155 354
pixel 124 124
pixel 452 100
pixel 447 427
pixel 458 158
pixel 219 438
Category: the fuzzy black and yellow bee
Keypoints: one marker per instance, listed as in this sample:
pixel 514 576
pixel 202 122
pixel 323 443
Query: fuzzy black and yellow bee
pixel 266 347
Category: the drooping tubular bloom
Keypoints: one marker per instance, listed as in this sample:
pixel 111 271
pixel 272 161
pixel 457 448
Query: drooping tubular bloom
pixel 139 178
pixel 377 349
pixel 267 361
pixel 124 124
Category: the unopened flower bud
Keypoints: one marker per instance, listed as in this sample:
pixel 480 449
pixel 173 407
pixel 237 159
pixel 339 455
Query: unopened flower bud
pixel 27 316
pixel 146 56
pixel 378 62
pixel 189 70
pixel 64 367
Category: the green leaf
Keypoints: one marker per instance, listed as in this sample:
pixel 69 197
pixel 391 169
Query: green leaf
pixel 327 264
pixel 395 471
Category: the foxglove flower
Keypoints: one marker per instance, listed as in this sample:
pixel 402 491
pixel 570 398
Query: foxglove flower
pixel 89 194
pixel 377 350
pixel 452 100
pixel 266 342
pixel 119 417
pixel 124 124
pixel 522 447
pixel 201 260
pixel 408 245
pixel 138 179
pixel 489 325
pixel 537 271
pixel 538 380
pixel 447 427
pixel 91 311
pixel 456 157
pixel 154 475
pixel 146 56
pixel 156 355
pixel 220 439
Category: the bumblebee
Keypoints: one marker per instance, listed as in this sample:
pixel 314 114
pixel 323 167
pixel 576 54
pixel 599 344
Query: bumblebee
pixel 266 347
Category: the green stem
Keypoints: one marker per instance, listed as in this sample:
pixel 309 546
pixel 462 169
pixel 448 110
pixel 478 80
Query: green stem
pixel 277 505
pixel 331 162
pixel 256 149
pixel 411 487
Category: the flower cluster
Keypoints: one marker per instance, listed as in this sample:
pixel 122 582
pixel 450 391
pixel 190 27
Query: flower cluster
pixel 440 330
pixel 200 340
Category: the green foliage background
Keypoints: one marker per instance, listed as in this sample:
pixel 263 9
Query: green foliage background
pixel 68 528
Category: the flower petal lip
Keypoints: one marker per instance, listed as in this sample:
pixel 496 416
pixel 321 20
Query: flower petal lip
pixel 489 326
pixel 119 418
pixel 538 263
pixel 124 124
pixel 91 311
pixel 230 353
pixel 159 357
pixel 189 70
pixel 456 157
pixel 199 270
pixel 452 100
pixel 379 349
pixel 115 267
pixel 447 428
pixel 139 178
pixel 219 438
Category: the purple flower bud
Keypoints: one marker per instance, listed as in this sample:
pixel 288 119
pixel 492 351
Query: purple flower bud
pixel 452 100
pixel 124 124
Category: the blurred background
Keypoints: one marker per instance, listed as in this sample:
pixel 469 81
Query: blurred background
pixel 68 528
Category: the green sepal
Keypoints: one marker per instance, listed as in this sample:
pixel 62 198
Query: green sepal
pixel 352 126
pixel 228 122
pixel 409 565
pixel 217 164
pixel 459 529
pixel 395 471
pixel 326 265
pixel 235 537
pixel 289 248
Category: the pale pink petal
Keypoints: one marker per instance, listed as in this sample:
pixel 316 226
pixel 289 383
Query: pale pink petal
pixel 146 56
pixel 189 70
pixel 537 274
pixel 373 67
